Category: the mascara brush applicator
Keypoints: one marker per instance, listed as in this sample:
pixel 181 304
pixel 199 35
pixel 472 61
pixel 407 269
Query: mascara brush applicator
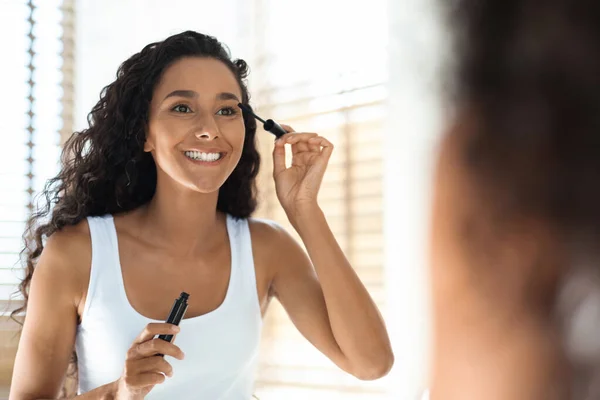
pixel 269 125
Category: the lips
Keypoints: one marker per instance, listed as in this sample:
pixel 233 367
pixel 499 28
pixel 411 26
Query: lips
pixel 204 156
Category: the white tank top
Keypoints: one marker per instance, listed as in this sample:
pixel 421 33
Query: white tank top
pixel 220 347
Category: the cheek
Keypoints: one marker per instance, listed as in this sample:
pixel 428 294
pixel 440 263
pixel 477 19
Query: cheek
pixel 164 135
pixel 240 143
pixel 162 139
pixel 235 135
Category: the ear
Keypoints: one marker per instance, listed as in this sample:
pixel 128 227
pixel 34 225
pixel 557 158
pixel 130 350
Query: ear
pixel 148 147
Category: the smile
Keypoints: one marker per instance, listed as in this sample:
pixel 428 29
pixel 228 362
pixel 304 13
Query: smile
pixel 204 157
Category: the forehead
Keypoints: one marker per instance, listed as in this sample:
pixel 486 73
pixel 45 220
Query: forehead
pixel 206 76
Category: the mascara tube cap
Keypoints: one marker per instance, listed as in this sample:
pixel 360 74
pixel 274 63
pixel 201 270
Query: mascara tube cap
pixel 184 296
pixel 176 315
pixel 274 128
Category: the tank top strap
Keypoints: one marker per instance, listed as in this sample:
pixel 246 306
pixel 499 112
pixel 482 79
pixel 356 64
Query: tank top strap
pixel 104 278
pixel 242 246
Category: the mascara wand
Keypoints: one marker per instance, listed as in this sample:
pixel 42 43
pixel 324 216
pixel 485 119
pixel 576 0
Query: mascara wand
pixel 269 125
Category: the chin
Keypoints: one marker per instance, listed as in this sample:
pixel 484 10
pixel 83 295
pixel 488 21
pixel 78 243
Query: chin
pixel 205 186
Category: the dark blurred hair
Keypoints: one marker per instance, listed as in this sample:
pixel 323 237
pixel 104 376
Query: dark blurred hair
pixel 530 72
pixel 104 168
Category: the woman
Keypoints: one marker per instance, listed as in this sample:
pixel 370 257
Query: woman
pixel 515 238
pixel 153 199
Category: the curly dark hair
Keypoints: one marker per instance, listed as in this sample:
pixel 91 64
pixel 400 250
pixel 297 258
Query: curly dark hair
pixel 104 168
pixel 530 72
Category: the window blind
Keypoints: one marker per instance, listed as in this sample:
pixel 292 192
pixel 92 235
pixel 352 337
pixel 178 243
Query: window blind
pixel 38 107
pixel 36 76
pixel 324 72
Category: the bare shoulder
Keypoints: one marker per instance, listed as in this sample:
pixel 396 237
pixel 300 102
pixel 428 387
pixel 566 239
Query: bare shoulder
pixel 269 235
pixel 71 235
pixel 69 244
pixel 273 243
pixel 262 229
pixel 67 256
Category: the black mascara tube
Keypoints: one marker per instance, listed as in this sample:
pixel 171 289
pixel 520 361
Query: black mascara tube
pixel 176 315
pixel 269 125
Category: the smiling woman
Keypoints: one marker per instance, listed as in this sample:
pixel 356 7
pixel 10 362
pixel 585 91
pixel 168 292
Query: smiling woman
pixel 200 126
pixel 155 198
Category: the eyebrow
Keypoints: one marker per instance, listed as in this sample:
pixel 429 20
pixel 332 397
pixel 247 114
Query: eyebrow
pixel 227 96
pixel 190 94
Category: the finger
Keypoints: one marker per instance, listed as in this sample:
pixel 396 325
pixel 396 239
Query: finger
pixel 314 147
pixel 299 141
pixel 287 128
pixel 159 346
pixel 285 137
pixel 325 145
pixel 297 137
pixel 279 157
pixel 306 158
pixel 300 147
pixel 321 142
pixel 150 364
pixel 156 328
pixel 145 379
pixel 155 346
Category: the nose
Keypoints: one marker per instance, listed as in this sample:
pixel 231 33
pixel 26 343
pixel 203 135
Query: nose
pixel 206 135
pixel 207 129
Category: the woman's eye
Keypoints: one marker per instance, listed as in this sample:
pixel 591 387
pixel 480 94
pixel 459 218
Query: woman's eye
pixel 227 111
pixel 182 108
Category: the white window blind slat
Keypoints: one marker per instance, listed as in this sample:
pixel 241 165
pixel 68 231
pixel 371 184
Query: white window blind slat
pixel 17 198
pixel 9 226
pixel 10 244
pixel 13 182
pixel 11 275
pixel 29 150
pixel 8 260
pixel 13 139
pixel 8 292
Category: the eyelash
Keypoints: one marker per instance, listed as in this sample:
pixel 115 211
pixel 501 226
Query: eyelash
pixel 232 111
pixel 180 105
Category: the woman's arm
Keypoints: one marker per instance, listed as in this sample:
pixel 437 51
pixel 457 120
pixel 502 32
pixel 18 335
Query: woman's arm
pixel 322 294
pixel 328 303
pixel 48 335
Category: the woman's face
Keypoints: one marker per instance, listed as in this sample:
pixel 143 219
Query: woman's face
pixel 196 130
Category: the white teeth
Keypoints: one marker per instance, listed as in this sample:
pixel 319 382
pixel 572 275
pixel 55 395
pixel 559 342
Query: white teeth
pixel 196 155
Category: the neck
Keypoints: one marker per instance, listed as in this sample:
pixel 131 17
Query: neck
pixel 180 218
